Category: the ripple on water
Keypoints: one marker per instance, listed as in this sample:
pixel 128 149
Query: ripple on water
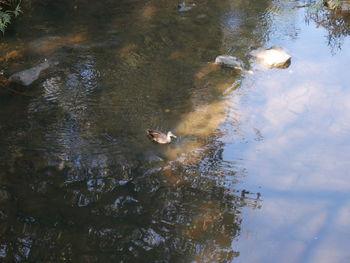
pixel 94 185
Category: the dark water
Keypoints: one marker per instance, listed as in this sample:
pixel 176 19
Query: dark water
pixel 258 172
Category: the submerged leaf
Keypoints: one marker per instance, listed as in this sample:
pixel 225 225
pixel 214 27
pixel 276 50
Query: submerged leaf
pixel 2 27
pixel 8 8
pixel 6 18
pixel 18 10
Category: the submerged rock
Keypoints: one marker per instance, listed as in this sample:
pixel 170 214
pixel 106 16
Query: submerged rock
pixel 274 57
pixel 4 195
pixel 229 62
pixel 28 76
pixel 43 43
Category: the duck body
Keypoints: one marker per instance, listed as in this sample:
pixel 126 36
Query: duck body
pixel 160 137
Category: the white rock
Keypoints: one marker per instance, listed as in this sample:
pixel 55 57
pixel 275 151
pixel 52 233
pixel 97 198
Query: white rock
pixel 229 61
pixel 274 57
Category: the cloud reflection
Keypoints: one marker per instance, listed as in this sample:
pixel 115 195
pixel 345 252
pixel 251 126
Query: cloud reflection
pixel 302 163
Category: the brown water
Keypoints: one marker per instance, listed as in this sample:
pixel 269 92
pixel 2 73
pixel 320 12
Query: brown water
pixel 258 172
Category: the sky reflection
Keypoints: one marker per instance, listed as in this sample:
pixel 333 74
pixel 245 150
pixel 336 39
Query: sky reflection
pixel 301 164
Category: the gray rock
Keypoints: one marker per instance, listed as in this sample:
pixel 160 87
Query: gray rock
pixel 229 62
pixel 274 57
pixel 28 76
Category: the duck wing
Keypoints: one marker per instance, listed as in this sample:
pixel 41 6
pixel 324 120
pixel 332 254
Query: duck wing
pixel 156 135
pixel 153 133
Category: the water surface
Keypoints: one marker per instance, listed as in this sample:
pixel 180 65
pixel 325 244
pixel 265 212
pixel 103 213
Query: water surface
pixel 258 172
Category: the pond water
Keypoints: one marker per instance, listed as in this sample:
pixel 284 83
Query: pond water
pixel 258 172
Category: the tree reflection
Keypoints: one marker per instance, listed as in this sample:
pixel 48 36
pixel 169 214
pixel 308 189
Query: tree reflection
pixel 336 22
pixel 83 183
pixel 103 215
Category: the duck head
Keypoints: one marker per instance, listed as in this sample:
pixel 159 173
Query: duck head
pixel 170 134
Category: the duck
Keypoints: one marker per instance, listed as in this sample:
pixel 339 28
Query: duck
pixel 160 137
